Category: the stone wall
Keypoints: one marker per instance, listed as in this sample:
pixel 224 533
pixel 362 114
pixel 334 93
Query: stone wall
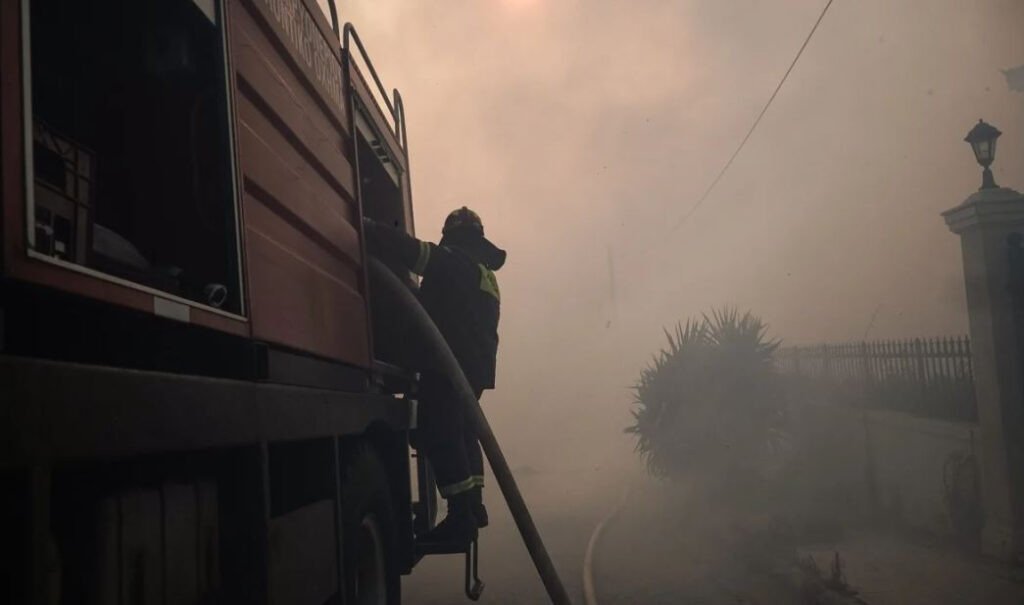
pixel 882 462
pixel 913 459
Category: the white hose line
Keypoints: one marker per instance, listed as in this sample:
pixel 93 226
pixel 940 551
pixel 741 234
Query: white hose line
pixel 589 595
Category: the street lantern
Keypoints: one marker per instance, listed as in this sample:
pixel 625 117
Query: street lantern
pixel 983 142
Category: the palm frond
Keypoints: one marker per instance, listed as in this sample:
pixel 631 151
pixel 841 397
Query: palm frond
pixel 713 368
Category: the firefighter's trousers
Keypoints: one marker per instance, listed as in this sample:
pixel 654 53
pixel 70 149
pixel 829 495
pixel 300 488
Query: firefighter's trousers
pixel 446 436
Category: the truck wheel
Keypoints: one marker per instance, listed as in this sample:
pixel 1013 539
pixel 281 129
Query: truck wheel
pixel 370 549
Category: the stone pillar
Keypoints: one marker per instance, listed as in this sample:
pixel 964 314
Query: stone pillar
pixel 989 222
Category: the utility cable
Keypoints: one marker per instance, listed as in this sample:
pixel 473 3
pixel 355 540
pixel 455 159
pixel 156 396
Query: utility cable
pixel 753 127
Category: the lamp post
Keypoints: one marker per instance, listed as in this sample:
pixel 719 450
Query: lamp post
pixel 983 142
pixel 990 223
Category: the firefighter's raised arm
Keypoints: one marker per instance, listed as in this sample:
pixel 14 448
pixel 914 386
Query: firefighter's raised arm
pixel 397 246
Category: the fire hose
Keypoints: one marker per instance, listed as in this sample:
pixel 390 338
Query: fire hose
pixel 499 466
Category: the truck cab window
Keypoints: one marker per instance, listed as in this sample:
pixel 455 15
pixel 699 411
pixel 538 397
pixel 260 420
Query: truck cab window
pixel 380 179
pixel 132 153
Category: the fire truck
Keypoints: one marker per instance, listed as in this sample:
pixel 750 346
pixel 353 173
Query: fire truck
pixel 201 400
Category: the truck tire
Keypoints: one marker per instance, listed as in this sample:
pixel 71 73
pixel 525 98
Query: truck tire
pixel 370 546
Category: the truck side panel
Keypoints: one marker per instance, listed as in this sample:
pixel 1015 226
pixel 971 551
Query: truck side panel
pixel 16 260
pixel 303 252
pixel 10 122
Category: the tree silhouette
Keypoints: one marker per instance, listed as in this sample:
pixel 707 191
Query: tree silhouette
pixel 711 401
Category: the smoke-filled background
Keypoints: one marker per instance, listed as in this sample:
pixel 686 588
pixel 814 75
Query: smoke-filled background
pixel 583 132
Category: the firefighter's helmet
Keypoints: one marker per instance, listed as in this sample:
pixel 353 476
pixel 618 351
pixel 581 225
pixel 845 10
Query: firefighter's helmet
pixel 463 219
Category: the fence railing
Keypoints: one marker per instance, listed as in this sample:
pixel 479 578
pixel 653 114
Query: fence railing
pixel 926 377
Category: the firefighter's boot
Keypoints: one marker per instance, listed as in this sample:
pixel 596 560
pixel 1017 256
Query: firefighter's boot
pixel 479 510
pixel 459 527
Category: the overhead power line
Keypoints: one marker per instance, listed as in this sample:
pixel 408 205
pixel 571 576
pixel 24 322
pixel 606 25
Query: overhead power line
pixel 753 126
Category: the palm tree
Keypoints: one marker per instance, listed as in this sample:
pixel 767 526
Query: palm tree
pixel 711 400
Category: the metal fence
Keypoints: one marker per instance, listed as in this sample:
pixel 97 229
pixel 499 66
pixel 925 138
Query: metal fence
pixel 925 377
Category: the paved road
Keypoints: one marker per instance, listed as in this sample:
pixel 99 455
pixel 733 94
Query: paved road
pixel 892 571
pixel 661 549
pixel 566 506
pixel 642 557
pixel 658 551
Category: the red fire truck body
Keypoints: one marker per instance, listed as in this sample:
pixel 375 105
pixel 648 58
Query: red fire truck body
pixel 199 395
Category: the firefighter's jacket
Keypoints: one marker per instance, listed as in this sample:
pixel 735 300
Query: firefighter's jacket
pixel 459 290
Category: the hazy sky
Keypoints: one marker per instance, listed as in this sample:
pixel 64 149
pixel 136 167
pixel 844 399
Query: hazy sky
pixel 579 126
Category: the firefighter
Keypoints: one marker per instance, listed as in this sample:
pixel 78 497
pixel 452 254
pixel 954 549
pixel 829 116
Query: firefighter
pixel 460 292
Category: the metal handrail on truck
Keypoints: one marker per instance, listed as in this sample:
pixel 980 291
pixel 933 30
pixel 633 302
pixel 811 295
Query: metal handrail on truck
pixel 395 106
pixel 400 111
